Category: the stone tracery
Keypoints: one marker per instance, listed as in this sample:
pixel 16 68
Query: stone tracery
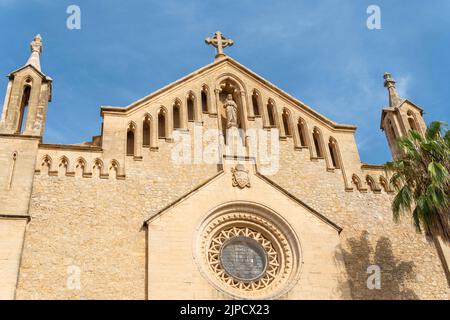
pixel 280 247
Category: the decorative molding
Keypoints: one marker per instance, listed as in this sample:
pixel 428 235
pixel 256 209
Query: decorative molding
pixel 278 241
pixel 273 263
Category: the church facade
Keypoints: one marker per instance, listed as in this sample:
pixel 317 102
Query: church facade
pixel 217 186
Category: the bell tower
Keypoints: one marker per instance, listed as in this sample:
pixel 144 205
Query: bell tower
pixel 21 129
pixel 399 117
pixel 27 96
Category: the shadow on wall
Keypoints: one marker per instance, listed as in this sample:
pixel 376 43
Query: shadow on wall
pixel 394 274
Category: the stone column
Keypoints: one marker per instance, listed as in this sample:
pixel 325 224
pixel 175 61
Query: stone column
pixel 244 105
pixel 169 124
pixel 197 108
pixel 295 134
pixel 138 141
pixel 6 101
pixel 265 115
pixel 154 133
pixel 184 116
pixel 215 106
pixel 249 98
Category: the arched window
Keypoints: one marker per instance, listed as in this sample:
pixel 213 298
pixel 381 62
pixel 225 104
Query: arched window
pixel 161 124
pixel 286 122
pixel 302 132
pixel 255 103
pixel 317 137
pixel 146 124
pixel 24 109
pixel 204 97
pixel 332 145
pixel 190 107
pixel 130 139
pixel 176 115
pixel 271 113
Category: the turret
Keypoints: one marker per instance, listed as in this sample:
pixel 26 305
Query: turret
pixel 27 95
pixel 399 117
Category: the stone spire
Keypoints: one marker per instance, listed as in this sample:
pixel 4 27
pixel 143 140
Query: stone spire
pixel 36 49
pixel 389 83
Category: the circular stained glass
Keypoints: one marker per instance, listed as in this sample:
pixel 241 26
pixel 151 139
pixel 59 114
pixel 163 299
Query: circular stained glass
pixel 243 258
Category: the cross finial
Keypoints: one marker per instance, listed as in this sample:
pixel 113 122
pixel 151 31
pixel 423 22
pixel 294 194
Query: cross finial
pixel 36 49
pixel 36 44
pixel 389 83
pixel 219 42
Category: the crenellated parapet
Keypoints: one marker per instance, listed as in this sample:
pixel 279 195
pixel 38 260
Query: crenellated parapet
pixel 372 178
pixel 77 161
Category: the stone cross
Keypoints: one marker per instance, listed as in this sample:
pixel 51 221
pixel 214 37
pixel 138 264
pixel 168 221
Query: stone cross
pixel 219 42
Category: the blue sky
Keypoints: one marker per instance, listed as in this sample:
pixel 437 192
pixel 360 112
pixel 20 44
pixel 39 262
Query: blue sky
pixel 318 51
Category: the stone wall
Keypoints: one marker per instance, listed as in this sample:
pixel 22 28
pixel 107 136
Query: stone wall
pixel 410 266
pixel 11 240
pixel 96 225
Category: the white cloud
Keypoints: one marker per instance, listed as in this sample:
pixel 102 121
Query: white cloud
pixel 402 85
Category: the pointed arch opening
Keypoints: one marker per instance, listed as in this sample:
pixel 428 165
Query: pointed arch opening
pixel 286 116
pixel 97 168
pixel 146 131
pixel 162 117
pixel 357 182
pixel 372 184
pixel 176 115
pixel 334 153
pixel 271 113
pixel 205 99
pixel 46 164
pixel 190 106
pixel 114 169
pixel 412 121
pixel 256 104
pixel 302 132
pixel 80 167
pixel 130 139
pixel 24 108
pixel 317 138
pixel 384 183
pixel 63 166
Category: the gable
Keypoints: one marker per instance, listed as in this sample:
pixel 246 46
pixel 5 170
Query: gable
pixel 221 184
pixel 27 69
pixel 405 103
pixel 199 226
pixel 210 75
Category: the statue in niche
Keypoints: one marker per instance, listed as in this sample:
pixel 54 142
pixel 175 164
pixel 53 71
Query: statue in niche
pixel 231 109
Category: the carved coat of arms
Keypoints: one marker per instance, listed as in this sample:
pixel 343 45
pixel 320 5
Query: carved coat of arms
pixel 241 178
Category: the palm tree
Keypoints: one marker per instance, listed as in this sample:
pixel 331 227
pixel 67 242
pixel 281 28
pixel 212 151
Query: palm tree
pixel 422 182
